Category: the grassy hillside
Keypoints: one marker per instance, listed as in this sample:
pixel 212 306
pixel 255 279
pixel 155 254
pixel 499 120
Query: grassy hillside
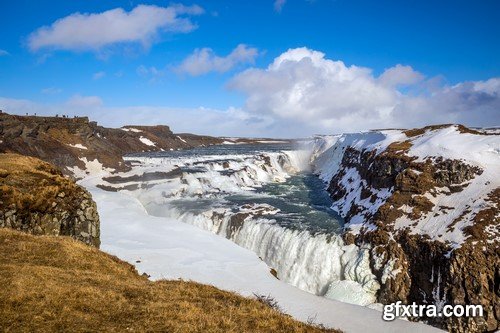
pixel 36 198
pixel 58 284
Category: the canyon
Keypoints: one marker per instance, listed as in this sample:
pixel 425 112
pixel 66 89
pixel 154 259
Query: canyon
pixel 412 216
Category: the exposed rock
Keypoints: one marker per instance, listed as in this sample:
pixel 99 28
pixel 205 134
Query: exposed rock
pixel 415 266
pixel 67 142
pixel 36 198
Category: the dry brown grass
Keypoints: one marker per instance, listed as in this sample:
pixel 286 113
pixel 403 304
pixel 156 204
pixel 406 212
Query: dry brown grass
pixel 56 284
pixel 28 184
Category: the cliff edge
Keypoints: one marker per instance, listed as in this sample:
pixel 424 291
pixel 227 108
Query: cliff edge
pixel 35 197
pixel 425 202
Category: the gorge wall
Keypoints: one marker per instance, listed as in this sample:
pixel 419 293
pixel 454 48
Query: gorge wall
pixel 426 203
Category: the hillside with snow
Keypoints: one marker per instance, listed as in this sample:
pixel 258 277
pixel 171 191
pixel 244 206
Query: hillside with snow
pixel 426 203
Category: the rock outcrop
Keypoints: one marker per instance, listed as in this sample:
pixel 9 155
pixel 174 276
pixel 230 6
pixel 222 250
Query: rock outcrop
pixel 36 198
pixel 75 142
pixel 431 221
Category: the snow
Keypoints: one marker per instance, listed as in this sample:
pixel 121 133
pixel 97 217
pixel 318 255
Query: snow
pixel 171 243
pixel 348 292
pixel 147 142
pixel 449 143
pixel 181 139
pixel 78 145
pixel 130 129
pixel 92 168
pixel 308 262
pixel 482 151
pixel 328 150
pixel 168 249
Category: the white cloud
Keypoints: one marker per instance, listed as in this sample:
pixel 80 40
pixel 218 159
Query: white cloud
pixel 301 93
pixel 302 86
pixel 51 91
pixel 98 75
pixel 278 5
pixel 4 53
pixel 148 71
pixel 204 60
pixel 400 75
pixel 82 32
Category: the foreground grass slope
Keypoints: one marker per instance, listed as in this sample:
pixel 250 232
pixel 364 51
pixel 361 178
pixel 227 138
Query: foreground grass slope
pixel 58 284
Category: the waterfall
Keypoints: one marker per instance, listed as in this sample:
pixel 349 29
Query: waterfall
pixel 320 264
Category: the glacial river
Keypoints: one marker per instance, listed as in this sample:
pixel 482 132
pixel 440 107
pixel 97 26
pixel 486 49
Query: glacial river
pixel 263 197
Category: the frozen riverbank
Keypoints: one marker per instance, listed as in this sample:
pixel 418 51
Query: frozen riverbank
pixel 170 249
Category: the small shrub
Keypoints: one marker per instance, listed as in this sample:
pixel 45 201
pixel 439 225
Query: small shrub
pixel 269 301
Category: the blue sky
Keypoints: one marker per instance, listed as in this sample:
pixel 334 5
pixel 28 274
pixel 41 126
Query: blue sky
pixel 442 44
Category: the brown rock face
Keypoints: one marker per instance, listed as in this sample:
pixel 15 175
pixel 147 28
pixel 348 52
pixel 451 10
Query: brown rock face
pixel 36 198
pixel 427 271
pixel 65 141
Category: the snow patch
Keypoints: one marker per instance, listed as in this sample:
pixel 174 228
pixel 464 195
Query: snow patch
pixel 78 145
pixel 130 129
pixel 147 142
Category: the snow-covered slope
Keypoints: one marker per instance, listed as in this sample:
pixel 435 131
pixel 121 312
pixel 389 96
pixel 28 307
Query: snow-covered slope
pixel 422 223
pixel 163 247
pixel 166 248
pixel 481 152
pixel 426 203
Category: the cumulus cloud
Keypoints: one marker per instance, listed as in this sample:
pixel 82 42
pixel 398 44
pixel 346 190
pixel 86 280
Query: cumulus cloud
pixel 278 5
pixel 83 32
pixel 204 60
pixel 400 75
pixel 303 86
pixel 302 93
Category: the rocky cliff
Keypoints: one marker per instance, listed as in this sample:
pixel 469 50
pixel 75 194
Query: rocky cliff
pixel 425 202
pixel 36 198
pixel 77 144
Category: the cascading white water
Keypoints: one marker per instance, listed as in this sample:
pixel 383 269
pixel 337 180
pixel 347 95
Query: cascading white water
pixel 319 263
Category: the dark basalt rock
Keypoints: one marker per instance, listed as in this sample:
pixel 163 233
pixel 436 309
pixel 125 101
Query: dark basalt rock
pixel 431 272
